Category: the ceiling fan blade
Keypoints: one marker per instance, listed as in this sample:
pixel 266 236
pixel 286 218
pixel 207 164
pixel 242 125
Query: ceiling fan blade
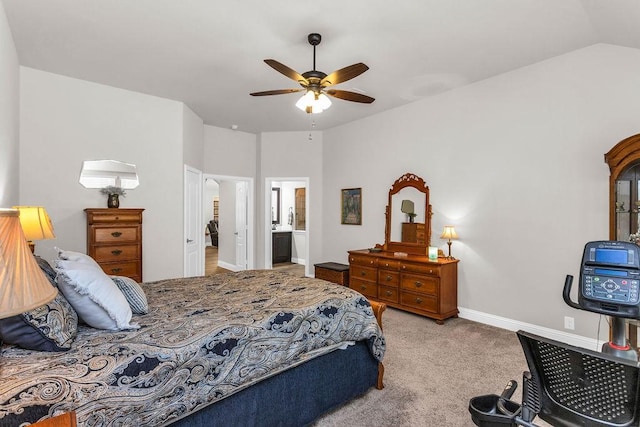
pixel 350 96
pixel 275 92
pixel 283 69
pixel 344 74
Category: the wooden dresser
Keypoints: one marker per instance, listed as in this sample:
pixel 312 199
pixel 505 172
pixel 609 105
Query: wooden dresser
pixel 411 283
pixel 114 240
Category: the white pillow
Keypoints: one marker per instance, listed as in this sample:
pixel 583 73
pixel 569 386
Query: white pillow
pixel 75 256
pixel 94 296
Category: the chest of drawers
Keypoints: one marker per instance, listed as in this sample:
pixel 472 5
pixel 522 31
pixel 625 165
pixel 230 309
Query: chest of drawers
pixel 412 283
pixel 114 240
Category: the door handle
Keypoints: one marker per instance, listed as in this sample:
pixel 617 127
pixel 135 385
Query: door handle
pixel 189 240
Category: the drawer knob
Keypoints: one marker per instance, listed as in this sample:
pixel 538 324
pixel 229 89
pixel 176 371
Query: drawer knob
pixel 116 234
pixel 116 252
pixel 363 287
pixel 388 293
pixel 418 284
pixel 389 278
pixel 430 271
pixel 419 300
pixel 116 270
pixel 363 273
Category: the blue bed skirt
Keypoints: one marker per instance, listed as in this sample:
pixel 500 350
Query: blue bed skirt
pixel 295 397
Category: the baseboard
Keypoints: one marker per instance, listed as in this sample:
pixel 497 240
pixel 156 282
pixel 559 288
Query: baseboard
pixel 299 261
pixel 228 266
pixel 515 325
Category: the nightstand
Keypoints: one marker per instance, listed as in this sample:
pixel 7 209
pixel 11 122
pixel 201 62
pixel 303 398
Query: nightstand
pixel 333 272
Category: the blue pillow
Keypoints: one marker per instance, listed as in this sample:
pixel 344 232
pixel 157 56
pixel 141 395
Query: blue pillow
pixel 133 293
pixel 50 327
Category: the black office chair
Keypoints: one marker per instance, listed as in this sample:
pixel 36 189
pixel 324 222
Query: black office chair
pixel 565 386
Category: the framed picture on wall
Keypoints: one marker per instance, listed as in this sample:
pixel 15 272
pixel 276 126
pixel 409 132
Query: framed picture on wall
pixel 351 206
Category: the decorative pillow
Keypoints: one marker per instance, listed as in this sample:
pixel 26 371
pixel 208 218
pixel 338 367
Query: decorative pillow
pixel 76 257
pixel 133 293
pixel 47 270
pixel 94 296
pixel 50 327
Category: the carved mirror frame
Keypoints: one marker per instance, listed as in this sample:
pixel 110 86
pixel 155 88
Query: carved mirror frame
pixel 408 180
pixel 624 156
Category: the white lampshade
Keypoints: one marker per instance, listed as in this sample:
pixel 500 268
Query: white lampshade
pixel 449 232
pixel 23 285
pixel 313 103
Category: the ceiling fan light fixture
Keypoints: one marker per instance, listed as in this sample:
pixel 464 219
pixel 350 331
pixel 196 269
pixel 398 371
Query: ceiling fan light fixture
pixel 313 103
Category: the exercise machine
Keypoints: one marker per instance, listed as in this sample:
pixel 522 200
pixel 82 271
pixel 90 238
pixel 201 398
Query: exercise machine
pixel 572 386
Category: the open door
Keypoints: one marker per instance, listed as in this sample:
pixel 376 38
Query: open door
pixel 241 225
pixel 193 232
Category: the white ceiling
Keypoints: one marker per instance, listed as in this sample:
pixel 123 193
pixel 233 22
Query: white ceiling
pixel 209 54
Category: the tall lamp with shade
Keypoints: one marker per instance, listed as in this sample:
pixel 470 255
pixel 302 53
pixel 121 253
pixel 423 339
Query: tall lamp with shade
pixel 23 285
pixel 449 233
pixel 36 224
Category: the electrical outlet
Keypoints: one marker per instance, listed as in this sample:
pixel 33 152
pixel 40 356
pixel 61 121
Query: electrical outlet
pixel 569 323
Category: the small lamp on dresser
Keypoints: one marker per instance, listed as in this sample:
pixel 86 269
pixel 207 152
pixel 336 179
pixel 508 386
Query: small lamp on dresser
pixel 449 233
pixel 36 224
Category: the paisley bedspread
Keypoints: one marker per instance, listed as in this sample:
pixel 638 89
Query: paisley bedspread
pixel 204 339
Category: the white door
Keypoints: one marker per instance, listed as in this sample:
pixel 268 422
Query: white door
pixel 193 228
pixel 241 225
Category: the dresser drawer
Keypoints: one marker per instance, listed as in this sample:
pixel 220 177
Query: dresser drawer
pixel 430 269
pixel 423 284
pixel 363 260
pixel 119 216
pixel 117 253
pixel 364 273
pixel 367 289
pixel 388 278
pixel 388 264
pixel 419 301
pixel 125 268
pixel 388 294
pixel 115 234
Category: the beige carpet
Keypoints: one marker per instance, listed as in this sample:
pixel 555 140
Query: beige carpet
pixel 431 372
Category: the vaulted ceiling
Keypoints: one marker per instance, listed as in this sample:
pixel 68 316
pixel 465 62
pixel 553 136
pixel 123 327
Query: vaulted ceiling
pixel 209 54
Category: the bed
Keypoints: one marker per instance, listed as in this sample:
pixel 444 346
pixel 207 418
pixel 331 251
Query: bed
pixel 258 347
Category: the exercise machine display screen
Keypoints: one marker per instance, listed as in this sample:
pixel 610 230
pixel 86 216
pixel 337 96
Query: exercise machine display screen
pixel 610 278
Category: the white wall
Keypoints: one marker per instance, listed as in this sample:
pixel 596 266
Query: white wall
pixel 193 138
pixel 292 154
pixel 229 152
pixel 9 115
pixel 64 121
pixel 515 162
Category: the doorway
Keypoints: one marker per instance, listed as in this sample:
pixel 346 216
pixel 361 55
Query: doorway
pixel 228 221
pixel 286 212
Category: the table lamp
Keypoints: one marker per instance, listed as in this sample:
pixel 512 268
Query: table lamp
pixel 23 285
pixel 449 233
pixel 36 224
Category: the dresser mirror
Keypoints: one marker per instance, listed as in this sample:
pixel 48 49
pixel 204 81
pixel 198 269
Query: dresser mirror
pixel 624 190
pixel 408 216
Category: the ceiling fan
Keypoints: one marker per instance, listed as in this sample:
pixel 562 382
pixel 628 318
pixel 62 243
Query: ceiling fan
pixel 315 83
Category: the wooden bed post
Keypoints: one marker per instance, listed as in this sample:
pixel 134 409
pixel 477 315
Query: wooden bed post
pixel 378 309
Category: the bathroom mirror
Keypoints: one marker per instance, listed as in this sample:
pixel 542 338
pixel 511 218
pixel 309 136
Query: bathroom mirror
pixel 104 173
pixel 404 232
pixel 275 205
